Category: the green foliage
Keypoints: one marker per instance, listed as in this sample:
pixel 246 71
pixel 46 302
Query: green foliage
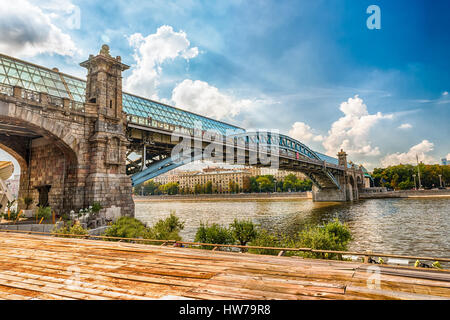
pixel 331 236
pixel 265 183
pixel 243 231
pixel 12 216
pixel 66 231
pixel 209 187
pixel 126 227
pixel 44 212
pixel 170 188
pixel 213 234
pixel 96 207
pixel 149 187
pixel 264 239
pixel 166 229
pixel 27 201
pixel 9 204
pixel 401 176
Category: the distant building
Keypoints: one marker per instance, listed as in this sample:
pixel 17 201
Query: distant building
pixel 221 177
pixel 445 162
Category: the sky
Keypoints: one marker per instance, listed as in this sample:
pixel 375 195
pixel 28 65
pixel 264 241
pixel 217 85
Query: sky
pixel 310 69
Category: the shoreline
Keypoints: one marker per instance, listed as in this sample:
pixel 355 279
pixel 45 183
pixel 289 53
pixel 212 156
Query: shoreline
pixel 409 194
pixel 227 197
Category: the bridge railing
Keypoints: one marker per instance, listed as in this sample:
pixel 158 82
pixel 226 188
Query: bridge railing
pixel 6 90
pixel 38 97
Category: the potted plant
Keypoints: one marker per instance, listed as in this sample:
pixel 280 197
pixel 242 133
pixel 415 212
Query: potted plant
pixel 27 201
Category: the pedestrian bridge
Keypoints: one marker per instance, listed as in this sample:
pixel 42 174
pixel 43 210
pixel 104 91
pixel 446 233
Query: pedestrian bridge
pixel 79 141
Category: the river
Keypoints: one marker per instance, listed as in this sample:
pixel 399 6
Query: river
pixel 399 226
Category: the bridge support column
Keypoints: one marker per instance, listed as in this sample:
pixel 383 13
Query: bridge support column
pixel 106 181
pixel 329 195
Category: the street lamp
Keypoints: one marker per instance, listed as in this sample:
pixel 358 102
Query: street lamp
pixel 275 185
pixel 415 185
pixel 440 180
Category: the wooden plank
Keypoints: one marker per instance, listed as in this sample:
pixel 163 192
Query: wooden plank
pixel 38 267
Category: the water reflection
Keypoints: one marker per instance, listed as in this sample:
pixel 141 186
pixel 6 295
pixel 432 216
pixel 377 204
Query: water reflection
pixel 401 226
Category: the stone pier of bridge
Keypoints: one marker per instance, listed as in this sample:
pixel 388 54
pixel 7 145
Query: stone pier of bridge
pixel 71 155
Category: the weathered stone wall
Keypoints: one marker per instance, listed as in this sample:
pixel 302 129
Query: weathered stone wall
pixel 79 168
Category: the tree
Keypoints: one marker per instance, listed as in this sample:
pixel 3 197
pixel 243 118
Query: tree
pixel 289 182
pixel 401 176
pixel 243 231
pixel 209 187
pixel 214 233
pixel 198 189
pixel 246 184
pixel 265 183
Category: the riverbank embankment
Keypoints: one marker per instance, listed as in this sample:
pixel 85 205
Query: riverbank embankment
pixel 227 197
pixel 440 193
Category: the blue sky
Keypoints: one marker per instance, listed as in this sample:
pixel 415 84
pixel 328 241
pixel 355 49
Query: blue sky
pixel 311 69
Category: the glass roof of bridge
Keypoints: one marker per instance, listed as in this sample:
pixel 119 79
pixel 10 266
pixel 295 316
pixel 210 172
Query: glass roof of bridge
pixel 14 72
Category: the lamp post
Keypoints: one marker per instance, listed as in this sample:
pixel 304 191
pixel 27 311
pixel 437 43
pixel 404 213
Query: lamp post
pixel 274 185
pixel 415 185
pixel 440 180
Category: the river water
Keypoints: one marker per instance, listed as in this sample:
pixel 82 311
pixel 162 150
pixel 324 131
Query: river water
pixel 398 226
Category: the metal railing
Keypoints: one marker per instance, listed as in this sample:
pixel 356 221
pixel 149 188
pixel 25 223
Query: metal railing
pixel 367 255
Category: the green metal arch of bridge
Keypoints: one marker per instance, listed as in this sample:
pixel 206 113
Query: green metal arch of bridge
pixel 267 142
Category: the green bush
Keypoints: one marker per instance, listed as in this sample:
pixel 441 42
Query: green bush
pixel 331 236
pixel 166 229
pixel 27 201
pixel 66 231
pixel 213 234
pixel 44 212
pixel 264 239
pixel 243 231
pixel 126 227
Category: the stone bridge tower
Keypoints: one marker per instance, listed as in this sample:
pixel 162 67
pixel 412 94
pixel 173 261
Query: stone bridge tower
pixel 107 181
pixel 71 153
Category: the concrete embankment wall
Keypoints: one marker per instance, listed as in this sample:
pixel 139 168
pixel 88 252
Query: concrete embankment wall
pixel 244 196
pixel 28 227
pixel 47 228
pixel 406 194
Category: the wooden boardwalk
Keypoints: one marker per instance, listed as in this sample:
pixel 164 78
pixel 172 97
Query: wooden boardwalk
pixel 43 267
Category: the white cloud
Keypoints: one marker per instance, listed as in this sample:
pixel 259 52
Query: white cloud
pixel 448 157
pixel 445 93
pixel 150 52
pixel 200 97
pixel 421 150
pixel 302 132
pixel 25 30
pixel 405 126
pixel 351 132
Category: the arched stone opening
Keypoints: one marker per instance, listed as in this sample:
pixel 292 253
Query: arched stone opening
pixel 46 153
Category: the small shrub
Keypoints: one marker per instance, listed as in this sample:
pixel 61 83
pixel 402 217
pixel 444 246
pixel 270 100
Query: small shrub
pixel 66 231
pixel 213 234
pixel 126 227
pixel 166 229
pixel 331 236
pixel 264 239
pixel 44 212
pixel 96 207
pixel 27 201
pixel 243 231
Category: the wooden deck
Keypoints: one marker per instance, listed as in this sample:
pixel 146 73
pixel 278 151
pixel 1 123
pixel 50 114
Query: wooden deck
pixel 43 267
